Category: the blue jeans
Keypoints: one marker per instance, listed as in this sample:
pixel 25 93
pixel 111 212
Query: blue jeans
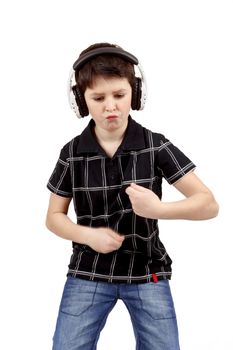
pixel 85 306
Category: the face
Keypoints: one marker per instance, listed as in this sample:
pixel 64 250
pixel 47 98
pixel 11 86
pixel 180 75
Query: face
pixel 109 103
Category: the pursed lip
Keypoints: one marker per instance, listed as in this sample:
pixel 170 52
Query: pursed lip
pixel 112 117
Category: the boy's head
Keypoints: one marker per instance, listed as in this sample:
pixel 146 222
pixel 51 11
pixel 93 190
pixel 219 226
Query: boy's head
pixel 107 61
pixel 107 66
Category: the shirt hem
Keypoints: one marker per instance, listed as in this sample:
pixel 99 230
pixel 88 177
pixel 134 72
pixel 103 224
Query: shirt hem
pixel 54 190
pixel 120 279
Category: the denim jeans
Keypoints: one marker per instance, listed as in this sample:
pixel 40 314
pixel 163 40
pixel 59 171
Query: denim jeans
pixel 85 306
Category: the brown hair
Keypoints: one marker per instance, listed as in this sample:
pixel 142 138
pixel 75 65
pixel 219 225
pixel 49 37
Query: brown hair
pixel 103 65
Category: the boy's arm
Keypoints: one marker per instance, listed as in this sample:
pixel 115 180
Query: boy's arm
pixel 199 203
pixel 102 240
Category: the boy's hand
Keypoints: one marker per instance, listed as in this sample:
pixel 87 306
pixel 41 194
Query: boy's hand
pixel 144 201
pixel 104 240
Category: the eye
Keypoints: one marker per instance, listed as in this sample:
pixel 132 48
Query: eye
pixel 98 99
pixel 119 96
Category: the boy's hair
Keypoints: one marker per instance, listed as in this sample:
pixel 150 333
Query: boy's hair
pixel 103 65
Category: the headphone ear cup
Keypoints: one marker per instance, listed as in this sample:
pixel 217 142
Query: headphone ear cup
pixel 80 101
pixel 136 94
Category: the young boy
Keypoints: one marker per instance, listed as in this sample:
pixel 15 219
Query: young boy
pixel 113 172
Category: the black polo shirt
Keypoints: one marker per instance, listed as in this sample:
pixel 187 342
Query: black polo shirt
pixel 97 185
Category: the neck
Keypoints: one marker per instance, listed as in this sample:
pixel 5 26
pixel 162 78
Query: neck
pixel 109 140
pixel 110 136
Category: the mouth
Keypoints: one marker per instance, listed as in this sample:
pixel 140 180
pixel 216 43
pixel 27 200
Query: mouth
pixel 112 117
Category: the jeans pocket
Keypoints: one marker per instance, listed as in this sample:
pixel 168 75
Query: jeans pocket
pixel 156 300
pixel 78 296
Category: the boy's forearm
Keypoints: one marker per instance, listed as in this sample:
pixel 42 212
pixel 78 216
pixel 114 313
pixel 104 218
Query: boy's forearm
pixel 197 206
pixel 63 226
pixel 102 240
pixel 200 206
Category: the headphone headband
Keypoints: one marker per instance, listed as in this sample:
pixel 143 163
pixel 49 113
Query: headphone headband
pixel 115 51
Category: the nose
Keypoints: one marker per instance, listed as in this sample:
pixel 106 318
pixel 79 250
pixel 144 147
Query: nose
pixel 110 104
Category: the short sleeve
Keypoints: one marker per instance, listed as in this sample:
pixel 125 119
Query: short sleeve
pixel 172 162
pixel 60 180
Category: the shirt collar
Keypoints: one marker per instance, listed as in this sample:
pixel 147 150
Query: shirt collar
pixel 133 140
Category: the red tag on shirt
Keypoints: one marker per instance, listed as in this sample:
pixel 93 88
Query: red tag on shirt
pixel 155 278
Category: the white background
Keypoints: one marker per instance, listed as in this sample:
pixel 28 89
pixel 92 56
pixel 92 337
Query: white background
pixel 185 48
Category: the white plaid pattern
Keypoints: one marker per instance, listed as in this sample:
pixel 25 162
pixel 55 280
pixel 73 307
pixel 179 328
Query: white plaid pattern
pixel 97 185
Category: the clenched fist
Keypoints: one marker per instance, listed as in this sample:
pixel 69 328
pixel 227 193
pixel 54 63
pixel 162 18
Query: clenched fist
pixel 105 240
pixel 144 201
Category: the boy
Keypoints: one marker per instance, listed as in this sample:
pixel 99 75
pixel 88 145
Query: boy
pixel 113 172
